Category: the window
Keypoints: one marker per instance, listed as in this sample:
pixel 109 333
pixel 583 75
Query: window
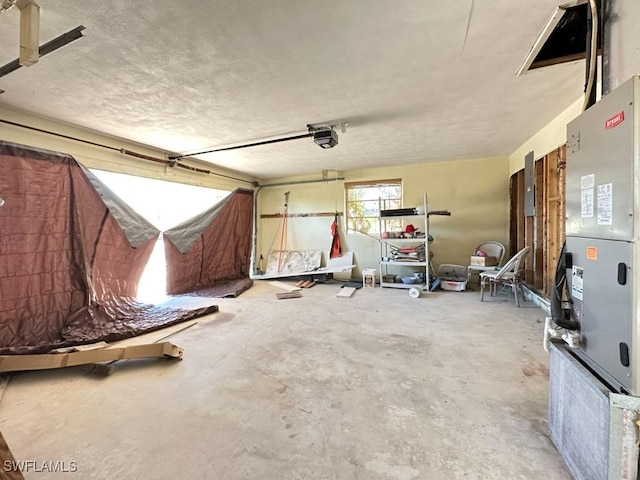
pixel 364 200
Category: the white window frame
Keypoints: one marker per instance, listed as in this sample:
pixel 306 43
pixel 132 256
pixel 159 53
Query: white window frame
pixel 368 223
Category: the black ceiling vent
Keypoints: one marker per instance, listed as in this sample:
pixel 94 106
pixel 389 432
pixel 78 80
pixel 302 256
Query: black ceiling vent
pixel 563 39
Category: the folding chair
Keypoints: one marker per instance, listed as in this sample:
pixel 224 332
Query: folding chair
pixel 492 249
pixel 508 276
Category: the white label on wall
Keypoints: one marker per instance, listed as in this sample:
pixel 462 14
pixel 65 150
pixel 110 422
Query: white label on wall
pixel 605 204
pixel 576 283
pixel 586 202
pixel 588 181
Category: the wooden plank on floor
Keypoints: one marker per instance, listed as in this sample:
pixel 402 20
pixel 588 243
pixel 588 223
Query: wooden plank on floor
pixel 346 292
pixel 284 286
pixel 80 348
pixel 4 383
pixel 17 363
pixel 106 369
pixel 9 467
pixel 285 295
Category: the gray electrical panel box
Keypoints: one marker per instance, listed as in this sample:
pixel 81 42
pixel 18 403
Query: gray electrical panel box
pixel 603 202
pixel 602 149
pixel 601 304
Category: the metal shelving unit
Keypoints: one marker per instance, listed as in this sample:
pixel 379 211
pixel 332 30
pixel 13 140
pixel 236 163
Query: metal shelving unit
pixel 388 245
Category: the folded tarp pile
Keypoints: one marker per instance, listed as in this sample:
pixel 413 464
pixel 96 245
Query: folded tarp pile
pixel 71 256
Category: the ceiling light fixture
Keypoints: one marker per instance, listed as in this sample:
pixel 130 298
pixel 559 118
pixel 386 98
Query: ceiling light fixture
pixel 324 136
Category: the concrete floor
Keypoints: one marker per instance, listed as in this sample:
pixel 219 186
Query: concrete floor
pixel 377 386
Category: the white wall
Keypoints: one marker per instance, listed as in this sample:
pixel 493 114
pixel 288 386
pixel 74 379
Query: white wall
pixel 552 136
pixel 475 191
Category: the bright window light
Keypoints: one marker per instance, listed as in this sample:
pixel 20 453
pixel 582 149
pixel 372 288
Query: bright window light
pixel 164 204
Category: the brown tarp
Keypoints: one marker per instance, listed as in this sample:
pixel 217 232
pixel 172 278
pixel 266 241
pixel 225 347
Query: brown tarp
pixel 223 289
pixel 212 247
pixel 71 256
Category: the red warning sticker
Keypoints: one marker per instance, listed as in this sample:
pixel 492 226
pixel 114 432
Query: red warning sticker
pixel 592 253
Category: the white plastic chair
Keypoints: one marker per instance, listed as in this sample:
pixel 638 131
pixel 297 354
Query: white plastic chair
pixel 508 276
pixel 492 249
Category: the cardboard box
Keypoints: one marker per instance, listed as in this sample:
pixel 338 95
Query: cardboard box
pixel 483 261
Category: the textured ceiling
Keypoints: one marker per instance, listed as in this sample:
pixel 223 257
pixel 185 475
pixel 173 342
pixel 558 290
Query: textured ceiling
pixel 416 81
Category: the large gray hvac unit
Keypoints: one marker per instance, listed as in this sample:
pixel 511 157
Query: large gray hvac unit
pixel 603 234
